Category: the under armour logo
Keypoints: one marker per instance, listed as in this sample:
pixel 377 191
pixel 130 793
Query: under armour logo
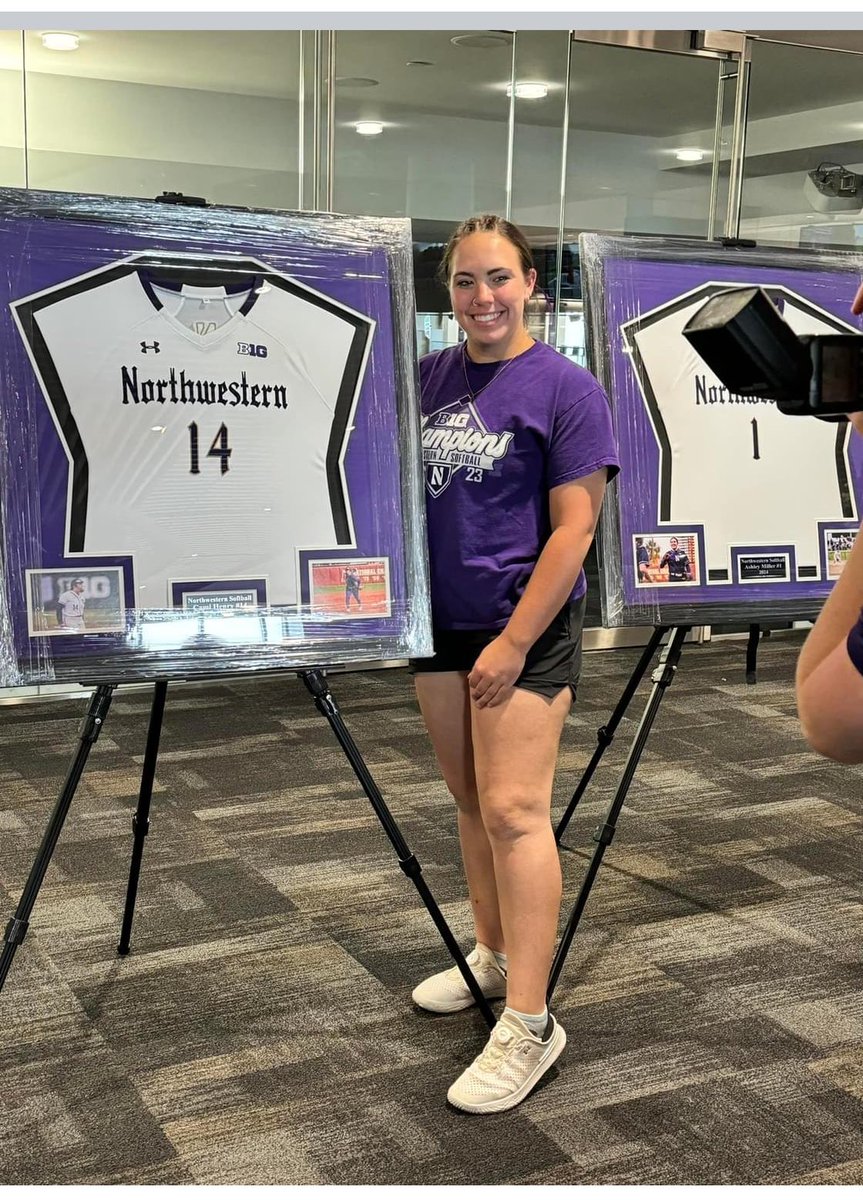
pixel 154 346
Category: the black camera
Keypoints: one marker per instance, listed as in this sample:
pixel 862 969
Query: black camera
pixel 754 352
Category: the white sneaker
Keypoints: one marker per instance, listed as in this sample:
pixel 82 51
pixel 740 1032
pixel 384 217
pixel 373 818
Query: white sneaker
pixel 447 991
pixel 512 1063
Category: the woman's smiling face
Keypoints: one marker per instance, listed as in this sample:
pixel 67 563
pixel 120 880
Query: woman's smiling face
pixel 489 289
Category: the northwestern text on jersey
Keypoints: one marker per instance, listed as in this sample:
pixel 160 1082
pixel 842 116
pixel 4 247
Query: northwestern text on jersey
pixel 710 393
pixel 178 388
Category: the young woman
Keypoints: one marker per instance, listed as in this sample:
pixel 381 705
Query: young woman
pixel 518 445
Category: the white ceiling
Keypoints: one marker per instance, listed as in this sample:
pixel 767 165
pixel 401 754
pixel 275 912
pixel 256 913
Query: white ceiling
pixel 613 89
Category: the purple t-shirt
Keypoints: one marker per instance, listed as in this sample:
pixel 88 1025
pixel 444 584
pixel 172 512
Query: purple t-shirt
pixel 492 453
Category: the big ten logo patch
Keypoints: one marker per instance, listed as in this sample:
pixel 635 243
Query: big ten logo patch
pixel 251 349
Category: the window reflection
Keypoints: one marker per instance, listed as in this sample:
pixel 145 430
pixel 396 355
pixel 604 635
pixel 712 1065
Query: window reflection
pixel 632 112
pixel 440 98
pixel 136 113
pixel 12 160
pixel 793 131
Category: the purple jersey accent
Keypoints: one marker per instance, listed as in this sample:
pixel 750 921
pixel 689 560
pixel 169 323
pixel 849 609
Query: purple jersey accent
pixel 490 460
pixel 855 644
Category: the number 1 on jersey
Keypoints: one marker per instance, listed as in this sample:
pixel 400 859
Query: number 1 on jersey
pixel 755 452
pixel 219 448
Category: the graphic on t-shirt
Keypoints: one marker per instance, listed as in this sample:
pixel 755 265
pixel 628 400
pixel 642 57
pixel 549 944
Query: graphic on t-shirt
pixel 204 405
pixel 731 463
pixel 455 439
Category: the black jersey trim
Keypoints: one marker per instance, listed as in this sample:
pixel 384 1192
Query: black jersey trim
pixel 842 432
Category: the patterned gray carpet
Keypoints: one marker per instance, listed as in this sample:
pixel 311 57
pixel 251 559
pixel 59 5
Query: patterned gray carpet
pixel 262 1031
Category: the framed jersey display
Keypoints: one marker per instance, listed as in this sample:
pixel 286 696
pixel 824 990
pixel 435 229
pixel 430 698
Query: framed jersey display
pixel 199 408
pixel 725 509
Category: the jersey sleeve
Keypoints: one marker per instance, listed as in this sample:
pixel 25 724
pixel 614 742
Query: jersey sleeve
pixel 325 346
pixel 582 438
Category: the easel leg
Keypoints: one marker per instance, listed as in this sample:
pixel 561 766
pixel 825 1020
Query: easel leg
pixel 662 678
pixel 605 735
pixel 141 819
pixel 88 733
pixel 317 685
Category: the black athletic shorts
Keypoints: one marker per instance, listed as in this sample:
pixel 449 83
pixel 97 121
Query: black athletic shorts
pixel 553 661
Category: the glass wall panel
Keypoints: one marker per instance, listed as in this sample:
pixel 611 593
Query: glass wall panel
pixel 12 159
pixel 137 113
pixel 439 99
pixel 538 146
pixel 632 112
pixel 793 131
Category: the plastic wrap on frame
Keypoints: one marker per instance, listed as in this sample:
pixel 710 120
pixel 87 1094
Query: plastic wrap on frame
pixel 330 305
pixel 760 528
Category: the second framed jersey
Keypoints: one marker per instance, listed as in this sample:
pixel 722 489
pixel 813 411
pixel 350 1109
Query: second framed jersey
pixel 204 405
pixel 725 508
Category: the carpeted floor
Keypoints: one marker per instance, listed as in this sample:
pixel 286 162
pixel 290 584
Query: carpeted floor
pixel 262 1031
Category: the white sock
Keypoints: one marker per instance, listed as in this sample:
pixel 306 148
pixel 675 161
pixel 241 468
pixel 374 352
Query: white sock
pixel 536 1022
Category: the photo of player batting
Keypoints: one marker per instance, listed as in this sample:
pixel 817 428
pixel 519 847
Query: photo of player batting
pixel 62 603
pixel 666 559
pixel 350 587
pixel 353 584
pixel 837 545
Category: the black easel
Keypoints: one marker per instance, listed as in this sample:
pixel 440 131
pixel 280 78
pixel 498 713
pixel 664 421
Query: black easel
pixel 752 652
pixel 89 731
pixel 315 681
pixel 662 678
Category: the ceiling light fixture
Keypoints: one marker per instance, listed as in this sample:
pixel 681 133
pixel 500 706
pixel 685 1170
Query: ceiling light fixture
pixel 368 128
pixel 689 155
pixel 528 90
pixel 492 40
pixel 60 41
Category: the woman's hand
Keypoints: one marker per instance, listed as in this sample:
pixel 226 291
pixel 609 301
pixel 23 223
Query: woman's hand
pixel 495 672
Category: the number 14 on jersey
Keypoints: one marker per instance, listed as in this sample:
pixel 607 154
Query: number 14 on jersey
pixel 219 448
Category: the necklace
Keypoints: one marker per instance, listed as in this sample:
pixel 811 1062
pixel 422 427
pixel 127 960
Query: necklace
pixel 472 395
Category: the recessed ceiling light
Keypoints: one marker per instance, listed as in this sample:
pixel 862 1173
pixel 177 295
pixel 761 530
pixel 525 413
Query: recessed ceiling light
pixel 689 155
pixel 528 90
pixel 356 81
pixel 492 40
pixel 368 128
pixel 60 41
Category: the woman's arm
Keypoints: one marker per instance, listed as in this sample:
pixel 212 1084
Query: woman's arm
pixel 829 686
pixel 574 511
